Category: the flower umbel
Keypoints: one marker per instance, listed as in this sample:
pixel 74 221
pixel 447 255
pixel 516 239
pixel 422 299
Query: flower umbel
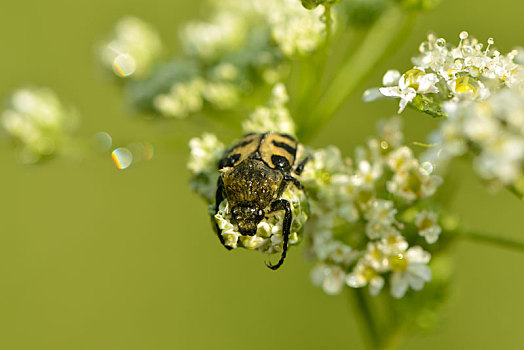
pixel 442 72
pixel 132 49
pixel 38 123
pixel 359 233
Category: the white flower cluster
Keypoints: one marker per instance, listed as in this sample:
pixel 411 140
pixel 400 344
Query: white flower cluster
pixel 268 238
pixel 295 30
pixel 368 215
pixel 244 45
pixel 492 130
pixel 206 152
pixel 480 92
pixel 442 72
pixel 38 123
pixel 274 117
pixel 133 48
pixel 188 97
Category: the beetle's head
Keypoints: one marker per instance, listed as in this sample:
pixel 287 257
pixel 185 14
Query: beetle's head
pixel 247 216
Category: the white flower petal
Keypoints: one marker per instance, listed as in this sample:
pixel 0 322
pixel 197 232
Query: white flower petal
pixel 418 255
pixel 399 284
pixel 391 78
pixel 372 94
pixel 422 272
pixel 355 280
pixel 375 285
pixel 427 83
pixel 414 282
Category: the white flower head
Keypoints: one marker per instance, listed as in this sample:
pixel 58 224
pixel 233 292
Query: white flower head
pixel 491 129
pixel 410 83
pixel 390 133
pixel 183 99
pixel 330 277
pixel 409 270
pixel 297 31
pixel 39 123
pixel 410 180
pixel 223 33
pixel 274 117
pixel 363 274
pixel 206 151
pixel 133 48
pixel 427 224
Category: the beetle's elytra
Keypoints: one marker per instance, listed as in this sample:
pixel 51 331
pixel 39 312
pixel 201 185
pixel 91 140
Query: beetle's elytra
pixel 253 175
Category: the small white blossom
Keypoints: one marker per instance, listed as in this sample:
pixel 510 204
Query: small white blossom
pixel 363 274
pixel 412 82
pixel 330 277
pixel 405 93
pixel 390 132
pixel 410 180
pixel 274 117
pixel 427 224
pixel 391 78
pixel 409 270
pixel 182 99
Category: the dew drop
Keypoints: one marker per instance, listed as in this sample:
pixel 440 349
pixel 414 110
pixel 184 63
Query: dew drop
pixel 467 50
pixel 124 65
pixel 441 43
pixel 122 157
pixel 491 41
pixel 463 35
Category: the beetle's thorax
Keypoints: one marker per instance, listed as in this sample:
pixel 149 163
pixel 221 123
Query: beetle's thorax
pixel 253 183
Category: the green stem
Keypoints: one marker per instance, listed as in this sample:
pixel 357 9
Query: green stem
pixel 368 322
pixel 513 189
pixel 329 24
pixel 384 34
pixel 502 242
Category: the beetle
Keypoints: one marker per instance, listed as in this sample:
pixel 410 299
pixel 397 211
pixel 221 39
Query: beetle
pixel 253 175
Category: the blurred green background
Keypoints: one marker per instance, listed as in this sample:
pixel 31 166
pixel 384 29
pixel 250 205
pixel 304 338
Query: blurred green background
pixel 96 258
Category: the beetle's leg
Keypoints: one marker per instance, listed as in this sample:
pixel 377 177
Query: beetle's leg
pixel 290 178
pixel 282 204
pixel 218 199
pixel 301 165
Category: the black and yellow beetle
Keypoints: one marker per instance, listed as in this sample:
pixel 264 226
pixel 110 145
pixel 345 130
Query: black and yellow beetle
pixel 253 175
